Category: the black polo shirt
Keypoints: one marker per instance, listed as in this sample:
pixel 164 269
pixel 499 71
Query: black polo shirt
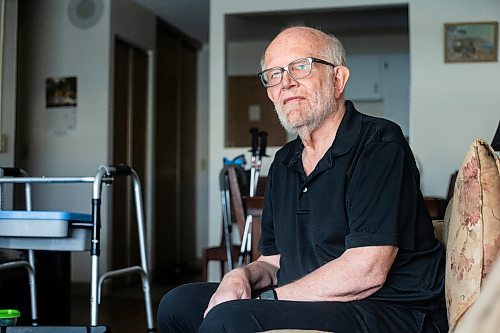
pixel 363 192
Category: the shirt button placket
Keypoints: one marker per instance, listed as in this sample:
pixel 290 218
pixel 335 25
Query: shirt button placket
pixel 302 201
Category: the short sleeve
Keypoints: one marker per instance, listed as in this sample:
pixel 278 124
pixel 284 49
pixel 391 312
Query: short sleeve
pixel 267 244
pixel 382 198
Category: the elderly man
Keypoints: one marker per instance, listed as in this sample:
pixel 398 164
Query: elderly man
pixel 347 242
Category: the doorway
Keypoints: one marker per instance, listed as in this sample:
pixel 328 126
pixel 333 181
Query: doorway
pixel 174 239
pixel 129 147
pixel 173 250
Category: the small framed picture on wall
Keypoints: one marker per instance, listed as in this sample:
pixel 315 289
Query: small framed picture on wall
pixel 60 92
pixel 471 41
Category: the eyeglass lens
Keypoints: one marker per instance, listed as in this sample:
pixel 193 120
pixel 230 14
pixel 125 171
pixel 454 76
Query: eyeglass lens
pixel 297 69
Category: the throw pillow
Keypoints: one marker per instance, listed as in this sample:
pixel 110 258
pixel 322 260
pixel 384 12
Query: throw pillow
pixel 473 238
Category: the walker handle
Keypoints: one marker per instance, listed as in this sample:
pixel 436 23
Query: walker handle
pixel 11 172
pixel 119 170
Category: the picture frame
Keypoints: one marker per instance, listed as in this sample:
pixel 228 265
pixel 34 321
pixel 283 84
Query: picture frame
pixel 61 92
pixel 471 41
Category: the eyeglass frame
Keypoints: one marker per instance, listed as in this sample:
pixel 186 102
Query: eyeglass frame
pixel 283 69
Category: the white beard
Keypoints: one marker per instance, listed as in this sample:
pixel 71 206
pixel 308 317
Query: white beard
pixel 311 118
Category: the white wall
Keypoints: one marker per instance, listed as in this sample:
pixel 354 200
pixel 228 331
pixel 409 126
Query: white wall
pixel 449 104
pixel 243 58
pixel 379 85
pixel 56 48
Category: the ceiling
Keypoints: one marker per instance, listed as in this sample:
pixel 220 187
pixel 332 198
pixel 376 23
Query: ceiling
pixel 189 16
pixel 192 18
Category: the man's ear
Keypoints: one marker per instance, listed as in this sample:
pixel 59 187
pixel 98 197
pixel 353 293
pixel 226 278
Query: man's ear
pixel 269 95
pixel 341 78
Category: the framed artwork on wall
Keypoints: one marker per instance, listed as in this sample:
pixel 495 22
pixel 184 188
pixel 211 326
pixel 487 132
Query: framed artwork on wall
pixel 471 41
pixel 60 91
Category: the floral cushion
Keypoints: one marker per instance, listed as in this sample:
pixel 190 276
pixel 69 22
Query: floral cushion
pixel 473 240
pixel 484 315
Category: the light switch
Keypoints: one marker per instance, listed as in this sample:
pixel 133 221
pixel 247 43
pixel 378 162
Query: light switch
pixel 254 112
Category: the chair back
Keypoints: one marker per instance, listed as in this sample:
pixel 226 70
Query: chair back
pixel 237 209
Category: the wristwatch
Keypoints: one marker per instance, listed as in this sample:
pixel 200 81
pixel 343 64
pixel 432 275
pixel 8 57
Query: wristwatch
pixel 269 294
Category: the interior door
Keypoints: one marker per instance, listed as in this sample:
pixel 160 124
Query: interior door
pixel 175 177
pixel 129 147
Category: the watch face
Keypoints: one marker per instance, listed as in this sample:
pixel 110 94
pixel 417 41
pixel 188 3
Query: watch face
pixel 268 294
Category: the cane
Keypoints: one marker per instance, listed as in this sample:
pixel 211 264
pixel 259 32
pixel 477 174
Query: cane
pixel 262 153
pixel 226 215
pixel 254 132
pixel 245 247
pixel 246 242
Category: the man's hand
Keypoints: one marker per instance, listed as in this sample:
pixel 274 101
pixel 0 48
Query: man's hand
pixel 234 285
pixel 238 283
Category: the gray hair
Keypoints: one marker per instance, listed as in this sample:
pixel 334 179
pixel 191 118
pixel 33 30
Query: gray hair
pixel 334 52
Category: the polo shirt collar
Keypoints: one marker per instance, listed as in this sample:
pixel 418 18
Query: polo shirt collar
pixel 347 134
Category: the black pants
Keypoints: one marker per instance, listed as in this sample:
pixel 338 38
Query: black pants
pixel 181 311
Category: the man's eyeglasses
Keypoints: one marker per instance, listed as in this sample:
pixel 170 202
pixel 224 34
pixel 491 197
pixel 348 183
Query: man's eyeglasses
pixel 297 69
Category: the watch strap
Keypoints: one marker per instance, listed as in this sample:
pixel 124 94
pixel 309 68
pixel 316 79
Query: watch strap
pixel 269 294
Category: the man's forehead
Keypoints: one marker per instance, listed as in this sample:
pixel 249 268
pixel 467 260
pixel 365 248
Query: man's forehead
pixel 298 36
pixel 281 56
pixel 292 44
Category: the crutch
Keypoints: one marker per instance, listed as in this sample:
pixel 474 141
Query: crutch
pixel 245 247
pixel 226 215
pixel 262 153
pixel 246 240
pixel 254 132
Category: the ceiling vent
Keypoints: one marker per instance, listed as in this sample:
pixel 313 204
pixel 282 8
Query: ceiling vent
pixel 85 13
